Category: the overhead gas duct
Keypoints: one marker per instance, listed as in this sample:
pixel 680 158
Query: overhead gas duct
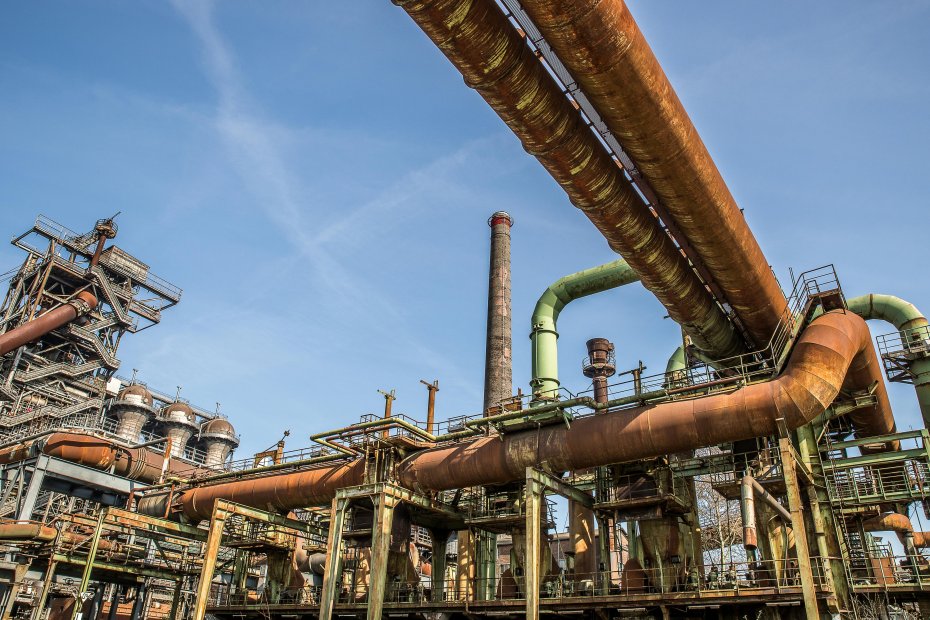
pixel 180 424
pixel 219 439
pixel 835 352
pixel 600 43
pixel 495 60
pixel 498 363
pixel 83 303
pixel 133 409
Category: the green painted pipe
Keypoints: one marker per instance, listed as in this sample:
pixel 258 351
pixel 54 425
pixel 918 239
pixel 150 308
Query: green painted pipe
pixel 908 320
pixel 544 336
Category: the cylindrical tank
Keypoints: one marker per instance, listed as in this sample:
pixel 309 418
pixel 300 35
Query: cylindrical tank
pixel 132 408
pixel 219 439
pixel 178 423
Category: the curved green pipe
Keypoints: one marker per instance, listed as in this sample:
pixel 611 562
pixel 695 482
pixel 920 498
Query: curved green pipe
pixel 544 336
pixel 906 318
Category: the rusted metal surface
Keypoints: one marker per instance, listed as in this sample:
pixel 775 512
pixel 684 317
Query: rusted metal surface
pixel 134 463
pixel 282 492
pixel 599 366
pixel 53 319
pixel 432 388
pixel 494 60
pixel 498 355
pixel 833 353
pixel 899 524
pixel 602 46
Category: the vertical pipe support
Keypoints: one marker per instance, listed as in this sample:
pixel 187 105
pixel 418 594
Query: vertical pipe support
pixel 46 586
pixel 795 508
pixel 333 569
pixel 175 600
pixel 440 540
pixel 114 603
pixel 380 549
pixel 19 573
pixel 210 551
pixel 535 496
pixel 91 557
pixel 465 566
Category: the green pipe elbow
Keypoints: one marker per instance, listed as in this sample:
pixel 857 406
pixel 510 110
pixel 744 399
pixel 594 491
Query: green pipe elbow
pixel 906 318
pixel 902 314
pixel 544 334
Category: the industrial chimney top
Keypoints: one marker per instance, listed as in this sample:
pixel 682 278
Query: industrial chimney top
pixel 500 217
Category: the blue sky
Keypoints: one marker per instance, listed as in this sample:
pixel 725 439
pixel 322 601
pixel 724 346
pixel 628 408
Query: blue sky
pixel 317 178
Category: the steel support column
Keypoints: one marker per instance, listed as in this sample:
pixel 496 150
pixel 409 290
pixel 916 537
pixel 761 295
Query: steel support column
pixel 138 606
pixel 91 556
pixel 380 548
pixel 440 539
pixel 114 603
pixel 535 496
pixel 19 573
pixel 210 551
pixel 46 587
pixel 333 570
pixel 28 503
pixel 176 600
pixel 604 523
pixel 465 566
pixel 486 565
pixel 798 527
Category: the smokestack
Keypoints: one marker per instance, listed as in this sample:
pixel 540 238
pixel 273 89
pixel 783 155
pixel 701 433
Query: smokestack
pixel 498 366
pixel 599 366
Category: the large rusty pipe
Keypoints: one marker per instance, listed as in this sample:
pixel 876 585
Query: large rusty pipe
pixel 833 353
pixel 281 492
pixel 602 46
pixel 496 61
pixel 900 525
pixel 135 463
pixel 83 303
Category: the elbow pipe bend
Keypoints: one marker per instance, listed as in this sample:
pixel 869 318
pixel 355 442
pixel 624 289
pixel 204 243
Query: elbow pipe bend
pixel 544 333
pixel 907 319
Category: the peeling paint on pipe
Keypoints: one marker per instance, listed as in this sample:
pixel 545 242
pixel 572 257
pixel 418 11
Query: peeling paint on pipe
pixel 495 60
pixel 51 320
pixel 605 51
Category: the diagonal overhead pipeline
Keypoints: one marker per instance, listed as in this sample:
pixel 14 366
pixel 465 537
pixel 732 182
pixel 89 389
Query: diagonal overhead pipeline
pixel 496 61
pixel 601 45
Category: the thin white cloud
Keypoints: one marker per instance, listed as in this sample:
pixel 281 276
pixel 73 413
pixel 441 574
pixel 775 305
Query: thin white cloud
pixel 251 143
